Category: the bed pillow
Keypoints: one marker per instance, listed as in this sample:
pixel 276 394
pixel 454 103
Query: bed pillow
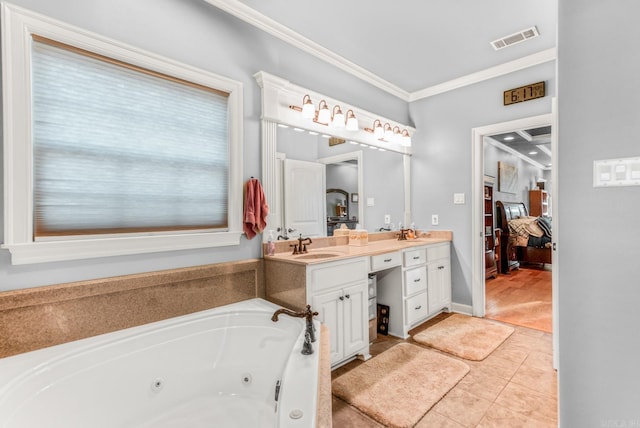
pixel 545 224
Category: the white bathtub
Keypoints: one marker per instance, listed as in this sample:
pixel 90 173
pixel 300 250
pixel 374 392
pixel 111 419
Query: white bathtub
pixel 216 368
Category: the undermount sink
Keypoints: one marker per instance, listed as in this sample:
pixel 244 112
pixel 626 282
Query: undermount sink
pixel 317 256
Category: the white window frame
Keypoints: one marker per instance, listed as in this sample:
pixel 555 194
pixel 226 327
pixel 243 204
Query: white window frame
pixel 18 25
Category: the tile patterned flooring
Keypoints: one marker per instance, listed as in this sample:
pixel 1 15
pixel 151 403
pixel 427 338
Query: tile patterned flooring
pixel 513 387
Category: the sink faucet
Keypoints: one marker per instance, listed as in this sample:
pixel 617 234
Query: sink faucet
pixel 308 314
pixel 285 233
pixel 402 235
pixel 301 246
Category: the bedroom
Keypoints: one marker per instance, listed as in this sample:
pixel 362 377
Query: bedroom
pixel 518 212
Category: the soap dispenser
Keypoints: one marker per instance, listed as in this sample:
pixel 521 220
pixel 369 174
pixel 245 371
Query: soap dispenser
pixel 271 246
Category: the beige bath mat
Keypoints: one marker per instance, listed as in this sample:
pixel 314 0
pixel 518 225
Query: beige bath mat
pixel 464 336
pixel 397 387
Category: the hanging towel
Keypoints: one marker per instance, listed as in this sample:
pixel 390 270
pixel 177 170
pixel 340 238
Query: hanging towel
pixel 255 209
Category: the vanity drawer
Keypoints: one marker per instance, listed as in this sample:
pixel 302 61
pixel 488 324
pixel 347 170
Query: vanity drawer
pixel 415 280
pixel 438 251
pixel 385 261
pixel 415 257
pixel 416 308
pixel 324 276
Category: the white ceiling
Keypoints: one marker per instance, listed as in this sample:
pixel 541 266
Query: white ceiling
pixel 412 44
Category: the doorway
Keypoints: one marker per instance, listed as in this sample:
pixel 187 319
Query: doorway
pixel 478 227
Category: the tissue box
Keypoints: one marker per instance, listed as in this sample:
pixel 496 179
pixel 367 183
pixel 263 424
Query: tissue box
pixel 341 232
pixel 358 237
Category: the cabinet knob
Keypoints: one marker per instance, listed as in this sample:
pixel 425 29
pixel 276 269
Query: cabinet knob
pixel 416 280
pixel 418 307
pixel 387 260
pixel 347 296
pixel 440 267
pixel 416 257
pixel 341 297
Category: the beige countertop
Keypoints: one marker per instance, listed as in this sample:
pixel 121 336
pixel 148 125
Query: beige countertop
pixel 332 249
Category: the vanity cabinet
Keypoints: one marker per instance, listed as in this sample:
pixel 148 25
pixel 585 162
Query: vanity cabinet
pixel 439 278
pixel 339 292
pixel 417 289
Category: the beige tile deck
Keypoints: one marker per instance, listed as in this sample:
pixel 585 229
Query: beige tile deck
pixel 514 387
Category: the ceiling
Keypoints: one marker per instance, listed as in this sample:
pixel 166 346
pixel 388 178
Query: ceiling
pixel 410 44
pixel 532 145
pixel 416 48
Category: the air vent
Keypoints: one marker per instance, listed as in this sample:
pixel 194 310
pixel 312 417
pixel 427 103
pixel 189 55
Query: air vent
pixel 515 38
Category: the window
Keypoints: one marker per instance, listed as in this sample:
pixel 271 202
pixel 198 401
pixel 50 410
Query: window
pixel 110 156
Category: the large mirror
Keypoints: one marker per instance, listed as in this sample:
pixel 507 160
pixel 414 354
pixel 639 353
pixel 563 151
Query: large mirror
pixel 371 181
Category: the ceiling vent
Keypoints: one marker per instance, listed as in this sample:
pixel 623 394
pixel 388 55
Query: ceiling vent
pixel 515 38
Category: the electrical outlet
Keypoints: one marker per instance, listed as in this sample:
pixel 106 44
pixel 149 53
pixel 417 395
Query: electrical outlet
pixel 434 219
pixel 387 218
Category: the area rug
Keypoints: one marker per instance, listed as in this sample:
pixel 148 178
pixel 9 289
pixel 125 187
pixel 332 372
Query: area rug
pixel 464 336
pixel 397 387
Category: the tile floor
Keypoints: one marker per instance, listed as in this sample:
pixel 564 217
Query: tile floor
pixel 513 387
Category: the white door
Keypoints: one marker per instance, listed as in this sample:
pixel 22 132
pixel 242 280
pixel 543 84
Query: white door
pixel 304 198
pixel 330 313
pixel 439 285
pixel 356 315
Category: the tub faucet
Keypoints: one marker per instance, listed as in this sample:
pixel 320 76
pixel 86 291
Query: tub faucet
pixel 308 314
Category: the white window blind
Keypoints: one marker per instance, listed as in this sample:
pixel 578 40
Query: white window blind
pixel 119 149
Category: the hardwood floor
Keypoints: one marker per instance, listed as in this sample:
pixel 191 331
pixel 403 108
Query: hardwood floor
pixel 522 298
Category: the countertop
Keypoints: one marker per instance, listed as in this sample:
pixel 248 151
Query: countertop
pixel 332 249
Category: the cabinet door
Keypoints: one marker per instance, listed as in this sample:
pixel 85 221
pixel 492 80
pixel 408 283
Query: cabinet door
pixel 356 315
pixel 330 313
pixel 439 285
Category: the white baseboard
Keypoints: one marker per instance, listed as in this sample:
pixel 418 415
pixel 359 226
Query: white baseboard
pixel 462 309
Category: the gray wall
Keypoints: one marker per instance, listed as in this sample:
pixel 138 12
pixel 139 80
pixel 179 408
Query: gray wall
pixel 441 163
pixel 599 269
pixel 200 35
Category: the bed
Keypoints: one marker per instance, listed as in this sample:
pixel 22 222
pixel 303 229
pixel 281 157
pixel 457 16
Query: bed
pixel 519 242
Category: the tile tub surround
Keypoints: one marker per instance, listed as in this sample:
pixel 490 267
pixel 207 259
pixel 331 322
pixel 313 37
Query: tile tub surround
pixel 39 317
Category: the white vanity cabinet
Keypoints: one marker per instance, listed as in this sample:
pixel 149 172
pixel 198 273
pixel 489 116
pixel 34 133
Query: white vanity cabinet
pixel 339 292
pixel 418 289
pixel 439 277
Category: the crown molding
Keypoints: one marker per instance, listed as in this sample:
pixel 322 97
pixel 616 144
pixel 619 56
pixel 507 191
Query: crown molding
pixel 486 74
pixel 270 26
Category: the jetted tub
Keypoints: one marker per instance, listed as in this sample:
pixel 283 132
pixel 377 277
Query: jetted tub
pixel 226 367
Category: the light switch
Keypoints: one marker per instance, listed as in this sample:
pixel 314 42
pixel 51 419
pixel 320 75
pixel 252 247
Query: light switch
pixel 616 172
pixel 458 198
pixel 371 202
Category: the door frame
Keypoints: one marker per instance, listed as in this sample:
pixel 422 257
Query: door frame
pixel 357 156
pixel 477 227
pixel 477 177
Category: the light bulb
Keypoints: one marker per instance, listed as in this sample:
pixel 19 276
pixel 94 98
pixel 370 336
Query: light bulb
pixel 308 110
pixel 324 115
pixel 352 121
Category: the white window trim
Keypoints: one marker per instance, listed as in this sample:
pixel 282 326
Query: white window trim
pixel 18 25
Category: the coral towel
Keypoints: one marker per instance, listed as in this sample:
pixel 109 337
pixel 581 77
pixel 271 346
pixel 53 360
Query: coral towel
pixel 255 208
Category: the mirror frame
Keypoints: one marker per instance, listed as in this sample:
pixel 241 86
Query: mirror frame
pixel 278 95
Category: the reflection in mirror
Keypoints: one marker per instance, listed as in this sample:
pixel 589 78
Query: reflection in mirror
pixel 379 192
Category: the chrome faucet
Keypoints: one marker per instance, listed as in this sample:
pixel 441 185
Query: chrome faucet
pixel 308 314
